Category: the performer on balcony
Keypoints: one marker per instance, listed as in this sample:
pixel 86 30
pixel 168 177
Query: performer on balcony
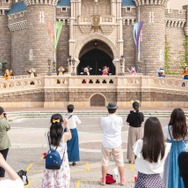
pixel 132 71
pixel 105 70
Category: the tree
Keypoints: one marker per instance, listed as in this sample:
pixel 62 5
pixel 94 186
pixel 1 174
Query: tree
pixel 184 54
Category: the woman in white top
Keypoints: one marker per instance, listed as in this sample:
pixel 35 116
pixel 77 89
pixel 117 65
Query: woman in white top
pixel 58 141
pixel 73 144
pixel 14 180
pixel 175 133
pixel 151 153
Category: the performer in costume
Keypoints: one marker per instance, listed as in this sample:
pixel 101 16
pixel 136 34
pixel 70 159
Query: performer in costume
pixel 105 70
pixel 161 73
pixel 132 71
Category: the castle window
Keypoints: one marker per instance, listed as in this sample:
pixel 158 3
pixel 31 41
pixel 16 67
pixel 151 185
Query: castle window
pixel 63 9
pixel 128 9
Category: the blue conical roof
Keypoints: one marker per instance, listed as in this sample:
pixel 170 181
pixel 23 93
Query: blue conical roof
pixel 17 7
pixel 64 3
pixel 128 3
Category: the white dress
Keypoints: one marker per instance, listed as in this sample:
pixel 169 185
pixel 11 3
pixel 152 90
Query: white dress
pixel 58 178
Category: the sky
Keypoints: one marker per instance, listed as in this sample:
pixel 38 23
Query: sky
pixel 176 4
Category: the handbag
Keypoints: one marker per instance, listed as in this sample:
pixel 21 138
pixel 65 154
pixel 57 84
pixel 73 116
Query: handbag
pixel 110 179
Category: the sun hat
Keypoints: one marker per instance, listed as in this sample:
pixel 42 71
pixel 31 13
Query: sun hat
pixel 112 105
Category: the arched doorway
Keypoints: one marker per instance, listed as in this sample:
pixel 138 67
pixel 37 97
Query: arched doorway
pixel 97 100
pixel 96 54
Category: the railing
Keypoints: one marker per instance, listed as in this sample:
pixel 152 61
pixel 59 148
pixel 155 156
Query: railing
pixel 88 20
pixel 22 83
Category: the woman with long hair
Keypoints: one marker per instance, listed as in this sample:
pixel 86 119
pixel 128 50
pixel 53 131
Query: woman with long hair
pixel 151 152
pixel 176 134
pixel 135 119
pixel 57 140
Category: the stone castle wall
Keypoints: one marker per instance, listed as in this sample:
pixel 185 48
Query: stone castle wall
pixel 5 46
pixel 31 47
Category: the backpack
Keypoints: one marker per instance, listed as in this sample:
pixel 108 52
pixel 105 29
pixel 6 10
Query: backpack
pixel 53 159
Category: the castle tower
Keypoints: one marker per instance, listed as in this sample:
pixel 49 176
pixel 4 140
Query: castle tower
pixel 41 19
pixel 152 13
pixel 4 34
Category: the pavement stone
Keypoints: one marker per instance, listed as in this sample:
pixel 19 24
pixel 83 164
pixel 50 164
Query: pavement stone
pixel 28 143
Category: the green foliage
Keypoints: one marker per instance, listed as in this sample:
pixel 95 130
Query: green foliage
pixel 167 56
pixel 3 67
pixel 184 54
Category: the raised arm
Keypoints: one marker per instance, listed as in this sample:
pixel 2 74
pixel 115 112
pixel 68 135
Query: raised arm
pixel 12 174
pixel 68 134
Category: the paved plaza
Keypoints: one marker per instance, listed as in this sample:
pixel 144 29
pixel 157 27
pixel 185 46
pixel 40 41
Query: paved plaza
pixel 28 143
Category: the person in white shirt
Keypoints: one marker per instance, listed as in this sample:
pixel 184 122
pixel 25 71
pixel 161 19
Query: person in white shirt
pixel 112 142
pixel 14 180
pixel 151 152
pixel 73 144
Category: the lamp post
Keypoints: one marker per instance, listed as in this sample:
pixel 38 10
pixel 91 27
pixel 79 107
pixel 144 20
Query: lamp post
pixel 54 67
pixel 121 61
pixel 73 66
pixel 69 64
pixel 145 67
pixel 49 67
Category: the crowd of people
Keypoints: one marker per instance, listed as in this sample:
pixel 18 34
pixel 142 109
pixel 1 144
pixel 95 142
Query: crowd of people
pixel 158 153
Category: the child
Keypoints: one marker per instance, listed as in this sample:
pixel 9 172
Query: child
pixel 58 139
pixel 175 133
pixel 151 153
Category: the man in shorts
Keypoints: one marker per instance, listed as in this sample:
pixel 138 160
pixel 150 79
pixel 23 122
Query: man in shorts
pixel 111 145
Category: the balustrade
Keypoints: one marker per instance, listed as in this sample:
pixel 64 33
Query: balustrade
pixel 140 82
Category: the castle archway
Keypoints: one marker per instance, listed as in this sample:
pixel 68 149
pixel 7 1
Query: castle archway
pixel 95 55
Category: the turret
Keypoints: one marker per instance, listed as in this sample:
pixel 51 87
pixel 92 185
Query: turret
pixel 4 34
pixel 41 19
pixel 152 13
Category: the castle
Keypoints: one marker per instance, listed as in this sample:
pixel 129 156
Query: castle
pixel 96 33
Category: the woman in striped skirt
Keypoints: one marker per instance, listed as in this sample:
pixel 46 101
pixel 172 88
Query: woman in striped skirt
pixel 151 152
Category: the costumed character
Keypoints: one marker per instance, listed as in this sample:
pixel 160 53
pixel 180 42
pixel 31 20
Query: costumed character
pixel 61 71
pixel 7 74
pixel 161 73
pixel 105 70
pixel 132 71
pixel 185 75
pixel 31 72
pixel 86 71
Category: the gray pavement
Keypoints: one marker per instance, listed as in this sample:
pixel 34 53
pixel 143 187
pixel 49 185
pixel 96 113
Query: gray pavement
pixel 28 143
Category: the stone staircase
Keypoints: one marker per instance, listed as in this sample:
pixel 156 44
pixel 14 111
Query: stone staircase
pixel 88 113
